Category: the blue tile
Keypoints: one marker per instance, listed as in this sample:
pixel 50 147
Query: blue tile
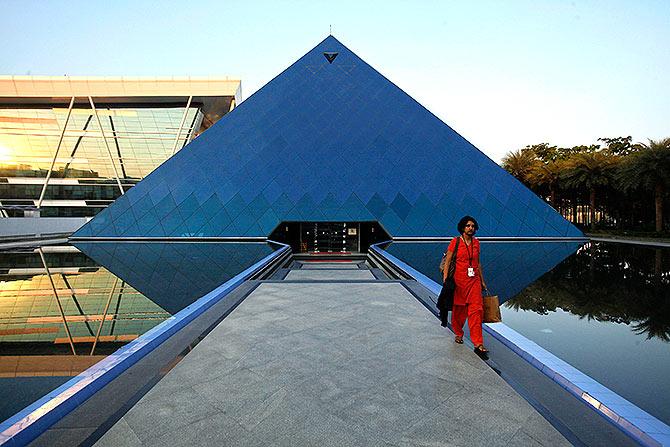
pixel 211 206
pixel 391 222
pixel 355 208
pixel 171 222
pixel 165 206
pixel 195 223
pixel 377 206
pixel 401 206
pixel 268 222
pixel 258 206
pixel 123 222
pixel 235 206
pixel 188 206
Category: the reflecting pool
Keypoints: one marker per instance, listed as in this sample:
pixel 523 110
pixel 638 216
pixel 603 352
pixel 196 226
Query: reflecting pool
pixel 64 308
pixel 602 307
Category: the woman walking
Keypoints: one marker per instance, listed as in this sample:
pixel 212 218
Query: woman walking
pixel 469 279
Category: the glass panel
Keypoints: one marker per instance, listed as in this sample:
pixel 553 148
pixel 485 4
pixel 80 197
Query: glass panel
pixel 28 138
pixel 139 139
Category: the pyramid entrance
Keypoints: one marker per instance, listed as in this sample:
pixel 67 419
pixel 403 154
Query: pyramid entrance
pixel 329 237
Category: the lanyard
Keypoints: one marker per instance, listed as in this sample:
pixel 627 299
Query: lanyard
pixel 470 249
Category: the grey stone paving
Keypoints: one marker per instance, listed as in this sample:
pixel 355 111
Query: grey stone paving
pixel 329 265
pixel 324 364
pixel 329 275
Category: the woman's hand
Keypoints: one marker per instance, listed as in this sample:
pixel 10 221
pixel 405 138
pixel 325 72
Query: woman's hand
pixel 481 278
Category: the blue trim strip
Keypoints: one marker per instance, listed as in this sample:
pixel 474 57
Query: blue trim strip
pixel 635 422
pixel 35 419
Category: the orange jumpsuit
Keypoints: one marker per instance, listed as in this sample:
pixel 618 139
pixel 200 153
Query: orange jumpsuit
pixel 468 301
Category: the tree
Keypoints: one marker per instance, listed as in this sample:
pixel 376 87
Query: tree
pixel 547 154
pixel 649 170
pixel 589 170
pixel 520 163
pixel 544 152
pixel 549 175
pixel 569 152
pixel 620 145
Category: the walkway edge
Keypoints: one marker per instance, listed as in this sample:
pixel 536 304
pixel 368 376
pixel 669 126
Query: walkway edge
pixel 36 418
pixel 632 420
pixel 631 242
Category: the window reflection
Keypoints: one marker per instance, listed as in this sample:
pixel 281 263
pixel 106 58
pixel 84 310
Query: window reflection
pixel 98 308
pixel 139 140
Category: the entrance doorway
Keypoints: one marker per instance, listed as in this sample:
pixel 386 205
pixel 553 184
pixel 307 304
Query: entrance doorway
pixel 329 237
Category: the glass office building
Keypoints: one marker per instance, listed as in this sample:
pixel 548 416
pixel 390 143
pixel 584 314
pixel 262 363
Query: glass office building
pixel 69 146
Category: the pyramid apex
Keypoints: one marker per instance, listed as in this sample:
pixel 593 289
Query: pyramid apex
pixel 330 40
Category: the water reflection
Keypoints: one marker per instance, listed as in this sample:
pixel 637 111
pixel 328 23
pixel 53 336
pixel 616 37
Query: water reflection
pixel 607 282
pixel 508 267
pixel 57 301
pixel 64 308
pixel 611 282
pixel 174 275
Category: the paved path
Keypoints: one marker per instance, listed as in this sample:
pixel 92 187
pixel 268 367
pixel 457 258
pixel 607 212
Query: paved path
pixel 330 363
pixel 329 275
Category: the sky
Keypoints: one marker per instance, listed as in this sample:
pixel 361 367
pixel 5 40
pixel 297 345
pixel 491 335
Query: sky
pixel 504 74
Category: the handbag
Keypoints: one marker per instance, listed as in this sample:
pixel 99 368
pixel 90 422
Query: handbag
pixel 491 308
pixel 443 261
pixel 445 302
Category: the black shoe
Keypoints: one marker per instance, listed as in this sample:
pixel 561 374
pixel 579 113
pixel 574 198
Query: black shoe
pixel 482 352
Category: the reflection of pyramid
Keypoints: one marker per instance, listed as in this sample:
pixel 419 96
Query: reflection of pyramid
pixel 174 275
pixel 509 268
pixel 327 141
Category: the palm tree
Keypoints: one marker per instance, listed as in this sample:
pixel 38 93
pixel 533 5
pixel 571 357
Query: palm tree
pixel 649 169
pixel 520 163
pixel 589 170
pixel 549 175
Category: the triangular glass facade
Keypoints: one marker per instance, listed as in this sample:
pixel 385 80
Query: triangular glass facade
pixel 328 140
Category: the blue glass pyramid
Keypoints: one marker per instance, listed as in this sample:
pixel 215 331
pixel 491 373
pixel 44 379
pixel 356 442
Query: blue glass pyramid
pixel 329 139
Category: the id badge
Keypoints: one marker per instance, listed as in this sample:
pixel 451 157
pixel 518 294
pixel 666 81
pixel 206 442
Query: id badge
pixel 471 272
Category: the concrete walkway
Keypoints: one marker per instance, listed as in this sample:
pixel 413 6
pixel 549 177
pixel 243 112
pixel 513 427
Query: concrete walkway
pixel 331 363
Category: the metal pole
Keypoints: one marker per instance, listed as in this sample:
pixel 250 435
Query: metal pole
pixel 76 303
pixel 359 237
pixel 116 311
pixel 104 315
pixel 53 287
pixel 53 162
pixel 181 125
pixel 104 139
